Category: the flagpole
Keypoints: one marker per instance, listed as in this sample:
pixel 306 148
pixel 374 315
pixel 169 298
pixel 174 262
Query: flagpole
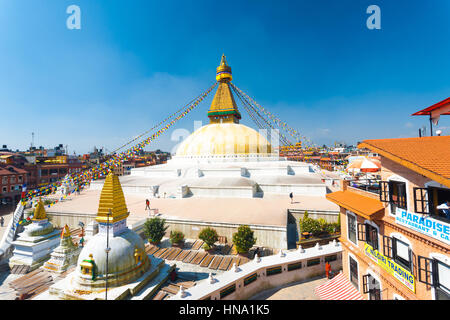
pixel 107 252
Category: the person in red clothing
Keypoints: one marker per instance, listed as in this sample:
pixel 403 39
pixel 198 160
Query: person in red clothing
pixel 147 204
pixel 327 269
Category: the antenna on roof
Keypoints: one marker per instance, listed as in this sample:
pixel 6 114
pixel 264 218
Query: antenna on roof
pixel 32 140
pixel 424 132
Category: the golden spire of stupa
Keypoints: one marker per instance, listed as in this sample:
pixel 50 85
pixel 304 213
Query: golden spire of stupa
pixel 65 232
pixel 223 107
pixel 39 212
pixel 112 198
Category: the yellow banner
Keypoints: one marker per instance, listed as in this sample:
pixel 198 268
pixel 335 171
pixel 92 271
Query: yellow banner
pixel 393 268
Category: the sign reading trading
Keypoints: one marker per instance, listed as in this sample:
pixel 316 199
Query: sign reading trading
pixel 390 266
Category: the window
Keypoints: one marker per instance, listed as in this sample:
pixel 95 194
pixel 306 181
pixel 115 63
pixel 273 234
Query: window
pixel 393 192
pixel 12 179
pixel 313 262
pixel 353 271
pixel 397 194
pixel 294 266
pixel 369 234
pixel 372 287
pixel 227 291
pixel 250 279
pixel 399 251
pixel 421 203
pixel 272 271
pixel 330 258
pixel 5 189
pixel 351 226
pixel 426 200
pixel 435 273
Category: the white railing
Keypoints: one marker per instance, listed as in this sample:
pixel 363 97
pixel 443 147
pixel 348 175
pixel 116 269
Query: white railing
pixel 11 231
pixel 263 273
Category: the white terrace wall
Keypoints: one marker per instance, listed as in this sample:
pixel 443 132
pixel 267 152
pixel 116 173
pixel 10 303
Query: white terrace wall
pixel 269 272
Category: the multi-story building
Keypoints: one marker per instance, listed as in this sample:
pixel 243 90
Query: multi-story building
pixel 396 242
pixel 12 180
pixel 51 169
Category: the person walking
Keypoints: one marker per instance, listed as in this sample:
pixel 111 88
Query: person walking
pixel 2 221
pixel 147 204
pixel 291 195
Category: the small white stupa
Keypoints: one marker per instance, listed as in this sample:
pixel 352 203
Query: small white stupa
pixel 65 255
pixel 35 244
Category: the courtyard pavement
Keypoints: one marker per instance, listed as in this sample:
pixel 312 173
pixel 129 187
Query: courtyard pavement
pixel 7 217
pixel 301 290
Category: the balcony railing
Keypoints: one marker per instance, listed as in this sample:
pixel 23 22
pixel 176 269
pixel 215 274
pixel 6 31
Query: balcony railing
pixel 372 186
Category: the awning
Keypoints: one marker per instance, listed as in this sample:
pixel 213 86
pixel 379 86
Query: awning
pixel 436 110
pixel 338 288
pixel 357 203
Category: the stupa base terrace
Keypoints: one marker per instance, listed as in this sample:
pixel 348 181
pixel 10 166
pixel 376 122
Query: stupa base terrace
pixel 184 178
pixel 216 200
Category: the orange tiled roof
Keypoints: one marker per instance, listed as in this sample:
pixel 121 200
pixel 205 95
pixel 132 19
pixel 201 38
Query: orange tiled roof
pixel 429 156
pixel 357 203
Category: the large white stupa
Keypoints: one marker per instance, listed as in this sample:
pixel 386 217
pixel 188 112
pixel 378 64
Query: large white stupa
pixel 223 175
pixel 224 159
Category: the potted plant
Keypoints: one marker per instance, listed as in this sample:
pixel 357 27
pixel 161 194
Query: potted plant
pixel 305 234
pixel 155 229
pixel 311 226
pixel 209 236
pixel 243 239
pixel 177 238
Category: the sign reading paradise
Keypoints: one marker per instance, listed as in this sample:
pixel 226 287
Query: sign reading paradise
pixel 393 268
pixel 424 224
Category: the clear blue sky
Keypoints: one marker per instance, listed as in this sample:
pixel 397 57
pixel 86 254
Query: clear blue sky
pixel 313 63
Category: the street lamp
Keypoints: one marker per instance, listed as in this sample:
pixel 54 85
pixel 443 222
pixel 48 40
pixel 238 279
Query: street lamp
pixel 107 250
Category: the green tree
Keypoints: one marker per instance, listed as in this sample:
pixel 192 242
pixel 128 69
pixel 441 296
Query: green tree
pixel 155 229
pixel 311 225
pixel 243 239
pixel 209 236
pixel 176 236
pixel 300 222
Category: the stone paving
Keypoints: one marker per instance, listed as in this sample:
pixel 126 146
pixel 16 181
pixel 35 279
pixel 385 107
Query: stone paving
pixel 7 218
pixel 301 290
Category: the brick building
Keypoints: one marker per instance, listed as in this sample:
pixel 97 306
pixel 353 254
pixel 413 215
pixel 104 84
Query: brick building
pixel 396 243
pixel 45 172
pixel 11 182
